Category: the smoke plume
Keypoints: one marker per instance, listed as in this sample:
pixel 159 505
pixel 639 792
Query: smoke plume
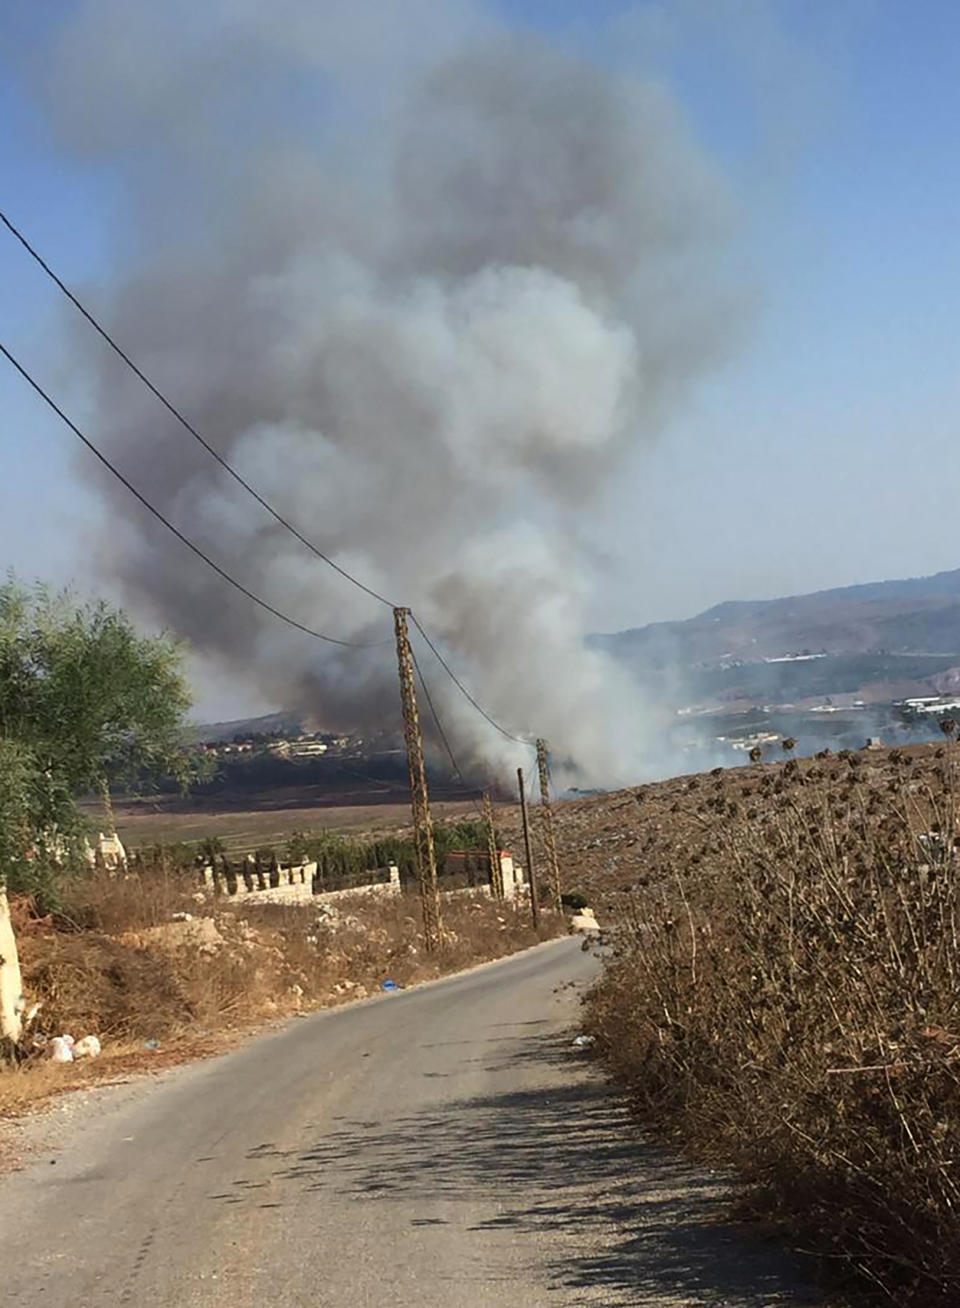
pixel 425 281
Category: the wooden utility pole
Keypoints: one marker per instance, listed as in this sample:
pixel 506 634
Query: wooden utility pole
pixel 546 815
pixel 419 798
pixel 534 898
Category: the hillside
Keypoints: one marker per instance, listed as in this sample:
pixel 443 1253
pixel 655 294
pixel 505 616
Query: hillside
pixel 829 668
pixel 270 724
pixel 916 615
pixel 782 993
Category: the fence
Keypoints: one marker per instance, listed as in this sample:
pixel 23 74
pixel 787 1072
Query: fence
pixel 303 883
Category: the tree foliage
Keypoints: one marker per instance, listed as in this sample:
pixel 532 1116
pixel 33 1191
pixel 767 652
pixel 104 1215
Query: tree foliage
pixel 85 702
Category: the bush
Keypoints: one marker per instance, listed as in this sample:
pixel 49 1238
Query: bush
pixel 90 983
pixel 787 997
pixel 574 901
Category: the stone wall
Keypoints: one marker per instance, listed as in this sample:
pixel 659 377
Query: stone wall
pixel 294 886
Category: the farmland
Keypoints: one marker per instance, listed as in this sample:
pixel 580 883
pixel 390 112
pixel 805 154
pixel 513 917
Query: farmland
pixel 249 822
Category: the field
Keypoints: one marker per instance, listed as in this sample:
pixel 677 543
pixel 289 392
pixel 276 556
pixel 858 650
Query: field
pixel 249 822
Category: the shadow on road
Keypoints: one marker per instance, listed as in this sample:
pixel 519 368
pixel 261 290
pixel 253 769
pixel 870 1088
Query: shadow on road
pixel 559 1159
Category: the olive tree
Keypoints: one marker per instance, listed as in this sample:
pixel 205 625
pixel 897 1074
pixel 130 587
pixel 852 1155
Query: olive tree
pixel 86 702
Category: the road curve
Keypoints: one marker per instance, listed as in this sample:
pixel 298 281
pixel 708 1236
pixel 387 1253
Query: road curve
pixel 444 1148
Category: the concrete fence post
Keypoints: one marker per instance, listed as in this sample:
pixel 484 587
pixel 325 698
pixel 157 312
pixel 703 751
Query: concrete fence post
pixel 508 875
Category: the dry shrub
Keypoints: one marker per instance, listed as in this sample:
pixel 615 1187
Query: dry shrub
pixel 786 997
pixel 90 983
pixel 125 901
pixel 373 939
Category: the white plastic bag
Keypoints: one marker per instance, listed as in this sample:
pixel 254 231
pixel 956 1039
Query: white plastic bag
pixel 61 1049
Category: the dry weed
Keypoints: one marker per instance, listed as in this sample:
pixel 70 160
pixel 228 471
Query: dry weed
pixel 784 995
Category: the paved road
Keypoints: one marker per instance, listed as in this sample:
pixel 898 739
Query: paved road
pixel 444 1148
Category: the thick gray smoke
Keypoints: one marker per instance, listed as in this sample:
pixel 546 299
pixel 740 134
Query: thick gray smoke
pixel 425 282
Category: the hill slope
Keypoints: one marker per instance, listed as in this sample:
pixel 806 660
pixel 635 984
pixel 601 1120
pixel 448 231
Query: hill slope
pixel 915 615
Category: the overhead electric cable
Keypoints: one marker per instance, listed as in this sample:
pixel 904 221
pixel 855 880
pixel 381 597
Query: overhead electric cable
pixel 463 690
pixel 443 735
pixel 292 622
pixel 436 719
pixel 172 409
pixel 238 477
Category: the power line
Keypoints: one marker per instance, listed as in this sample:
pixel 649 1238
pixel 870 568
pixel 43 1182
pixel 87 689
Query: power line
pixel 436 718
pixel 292 622
pixel 188 426
pixel 241 481
pixel 440 731
pixel 463 690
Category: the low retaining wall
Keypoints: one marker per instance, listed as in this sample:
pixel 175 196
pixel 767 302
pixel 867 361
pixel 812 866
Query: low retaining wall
pixel 378 889
pixel 295 885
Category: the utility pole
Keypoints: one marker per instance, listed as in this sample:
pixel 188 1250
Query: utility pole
pixel 493 851
pixel 534 898
pixel 496 867
pixel 546 813
pixel 419 799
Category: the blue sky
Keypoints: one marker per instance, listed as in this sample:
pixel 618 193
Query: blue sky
pixel 820 452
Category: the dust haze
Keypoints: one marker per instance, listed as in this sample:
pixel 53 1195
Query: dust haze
pixel 426 281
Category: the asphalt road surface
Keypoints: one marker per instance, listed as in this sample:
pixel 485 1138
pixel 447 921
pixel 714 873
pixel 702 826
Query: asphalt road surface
pixel 444 1148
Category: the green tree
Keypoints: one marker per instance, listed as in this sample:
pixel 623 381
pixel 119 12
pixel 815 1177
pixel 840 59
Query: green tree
pixel 85 703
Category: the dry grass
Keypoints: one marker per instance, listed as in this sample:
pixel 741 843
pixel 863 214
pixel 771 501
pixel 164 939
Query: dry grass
pixel 784 996
pixel 112 904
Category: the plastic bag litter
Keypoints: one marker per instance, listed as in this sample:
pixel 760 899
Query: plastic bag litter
pixel 88 1047
pixel 583 1041
pixel 389 986
pixel 61 1049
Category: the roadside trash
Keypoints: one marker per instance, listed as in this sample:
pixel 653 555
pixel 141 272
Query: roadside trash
pixel 151 1044
pixel 181 917
pixel 583 1042
pixel 389 986
pixel 88 1047
pixel 61 1049
pixel 585 921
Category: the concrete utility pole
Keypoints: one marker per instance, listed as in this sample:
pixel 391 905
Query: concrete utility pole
pixel 496 867
pixel 546 814
pixel 11 984
pixel 534 898
pixel 419 799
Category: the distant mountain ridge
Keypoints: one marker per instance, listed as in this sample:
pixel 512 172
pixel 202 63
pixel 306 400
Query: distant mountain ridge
pixel 908 616
pixel 270 724
pixel 939 585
